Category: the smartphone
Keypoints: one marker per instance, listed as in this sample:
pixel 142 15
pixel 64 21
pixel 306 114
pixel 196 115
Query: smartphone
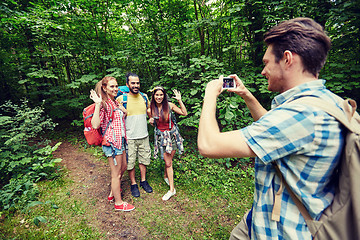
pixel 228 82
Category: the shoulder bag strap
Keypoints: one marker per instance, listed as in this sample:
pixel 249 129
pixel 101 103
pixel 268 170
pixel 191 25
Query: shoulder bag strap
pixel 111 118
pixel 145 99
pixel 277 202
pixel 349 107
pixel 344 117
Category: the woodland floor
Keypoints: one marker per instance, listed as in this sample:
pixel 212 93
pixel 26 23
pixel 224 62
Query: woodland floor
pixel 92 184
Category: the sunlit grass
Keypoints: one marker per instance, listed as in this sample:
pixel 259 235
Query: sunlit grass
pixel 210 201
pixel 63 217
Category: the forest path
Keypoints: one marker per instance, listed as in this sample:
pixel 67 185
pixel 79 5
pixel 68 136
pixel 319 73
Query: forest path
pixel 91 185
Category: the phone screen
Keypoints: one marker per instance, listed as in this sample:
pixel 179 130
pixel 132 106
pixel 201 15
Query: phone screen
pixel 228 82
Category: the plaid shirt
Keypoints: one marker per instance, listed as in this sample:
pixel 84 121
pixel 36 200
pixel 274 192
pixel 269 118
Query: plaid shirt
pixel 116 129
pixel 306 143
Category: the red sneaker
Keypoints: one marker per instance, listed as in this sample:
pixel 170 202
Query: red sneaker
pixel 112 199
pixel 126 207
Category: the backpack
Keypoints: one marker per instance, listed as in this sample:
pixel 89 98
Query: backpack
pixel 94 136
pixel 341 219
pixel 124 90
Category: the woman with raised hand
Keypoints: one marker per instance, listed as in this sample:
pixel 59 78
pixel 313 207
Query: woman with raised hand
pixel 110 116
pixel 167 135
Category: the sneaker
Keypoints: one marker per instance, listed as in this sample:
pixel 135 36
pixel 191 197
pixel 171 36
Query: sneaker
pixel 135 190
pixel 145 185
pixel 168 195
pixel 167 181
pixel 111 199
pixel 126 207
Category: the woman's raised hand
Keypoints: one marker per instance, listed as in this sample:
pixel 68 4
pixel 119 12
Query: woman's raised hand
pixel 177 95
pixel 95 97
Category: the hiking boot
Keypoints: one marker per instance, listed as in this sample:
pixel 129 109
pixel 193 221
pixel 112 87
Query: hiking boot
pixel 126 207
pixel 145 185
pixel 168 195
pixel 135 190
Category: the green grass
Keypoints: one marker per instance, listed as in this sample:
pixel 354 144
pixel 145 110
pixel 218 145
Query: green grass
pixel 63 217
pixel 211 199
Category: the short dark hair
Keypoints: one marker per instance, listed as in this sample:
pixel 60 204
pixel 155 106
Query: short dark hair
pixel 303 36
pixel 130 74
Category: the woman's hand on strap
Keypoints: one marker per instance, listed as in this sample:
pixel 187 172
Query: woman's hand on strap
pixel 151 121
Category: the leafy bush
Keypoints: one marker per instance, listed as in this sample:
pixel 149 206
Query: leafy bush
pixel 25 156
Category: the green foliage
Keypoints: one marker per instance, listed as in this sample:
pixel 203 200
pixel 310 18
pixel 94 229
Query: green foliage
pixel 342 70
pixel 26 157
pixel 55 51
pixel 21 123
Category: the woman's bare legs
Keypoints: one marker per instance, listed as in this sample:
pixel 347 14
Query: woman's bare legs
pixel 169 168
pixel 115 177
pixel 122 170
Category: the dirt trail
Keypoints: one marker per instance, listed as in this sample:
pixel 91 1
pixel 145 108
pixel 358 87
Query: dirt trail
pixel 92 184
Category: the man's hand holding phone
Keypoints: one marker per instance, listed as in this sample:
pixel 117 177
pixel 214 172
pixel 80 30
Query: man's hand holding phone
pixel 240 88
pixel 228 83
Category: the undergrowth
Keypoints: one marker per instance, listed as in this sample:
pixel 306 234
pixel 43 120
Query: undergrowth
pixel 216 191
pixel 219 195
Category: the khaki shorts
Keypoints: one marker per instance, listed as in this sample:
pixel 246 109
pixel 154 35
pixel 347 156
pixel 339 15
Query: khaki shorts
pixel 138 148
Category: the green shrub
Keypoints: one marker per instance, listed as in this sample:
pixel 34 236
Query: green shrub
pixel 25 156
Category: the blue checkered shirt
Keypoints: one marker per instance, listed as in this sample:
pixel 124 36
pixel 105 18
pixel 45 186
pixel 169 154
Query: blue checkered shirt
pixel 306 143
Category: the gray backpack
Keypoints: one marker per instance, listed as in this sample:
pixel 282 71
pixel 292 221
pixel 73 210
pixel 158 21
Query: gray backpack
pixel 341 220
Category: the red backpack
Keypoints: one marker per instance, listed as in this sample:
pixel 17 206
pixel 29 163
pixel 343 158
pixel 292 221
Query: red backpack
pixel 93 136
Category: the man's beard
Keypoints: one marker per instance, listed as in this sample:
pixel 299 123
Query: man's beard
pixel 132 91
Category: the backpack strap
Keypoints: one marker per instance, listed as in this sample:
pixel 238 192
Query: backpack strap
pixel 345 117
pixel 111 119
pixel 277 201
pixel 124 99
pixel 145 99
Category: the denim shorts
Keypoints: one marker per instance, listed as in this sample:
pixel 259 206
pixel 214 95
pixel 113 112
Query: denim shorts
pixel 111 151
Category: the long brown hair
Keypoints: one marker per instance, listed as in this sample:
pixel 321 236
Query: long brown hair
pixel 164 113
pixel 99 89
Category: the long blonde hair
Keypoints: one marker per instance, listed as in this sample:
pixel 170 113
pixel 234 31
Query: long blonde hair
pixel 99 89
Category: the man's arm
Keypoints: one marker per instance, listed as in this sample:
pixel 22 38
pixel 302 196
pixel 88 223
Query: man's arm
pixel 211 142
